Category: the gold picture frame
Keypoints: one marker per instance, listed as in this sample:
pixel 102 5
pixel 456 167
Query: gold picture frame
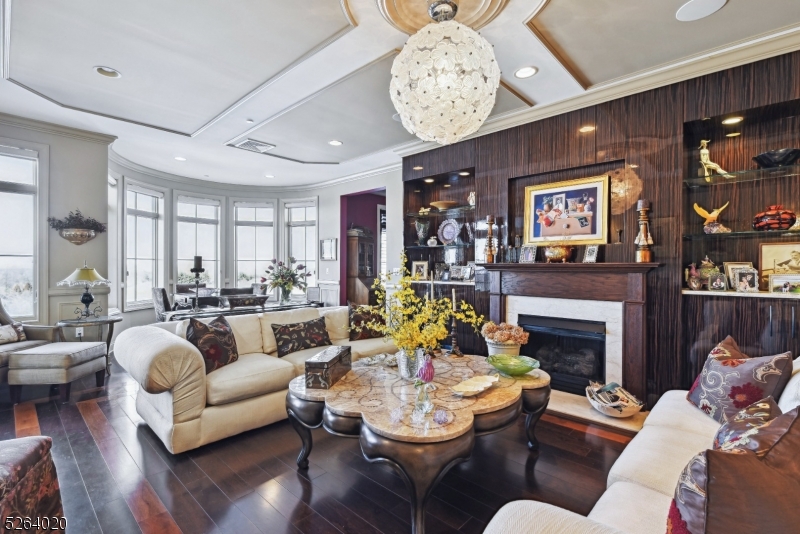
pixel 577 211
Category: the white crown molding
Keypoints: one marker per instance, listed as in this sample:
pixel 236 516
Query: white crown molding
pixel 227 188
pixel 742 53
pixel 56 129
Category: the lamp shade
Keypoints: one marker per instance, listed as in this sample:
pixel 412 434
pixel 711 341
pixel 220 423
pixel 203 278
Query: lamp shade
pixel 84 276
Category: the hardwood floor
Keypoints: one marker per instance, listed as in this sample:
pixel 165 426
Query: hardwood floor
pixel 116 476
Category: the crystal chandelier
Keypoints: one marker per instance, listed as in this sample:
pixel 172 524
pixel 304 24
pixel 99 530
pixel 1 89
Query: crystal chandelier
pixel 445 80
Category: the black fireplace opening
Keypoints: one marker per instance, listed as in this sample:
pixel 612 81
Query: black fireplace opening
pixel 572 352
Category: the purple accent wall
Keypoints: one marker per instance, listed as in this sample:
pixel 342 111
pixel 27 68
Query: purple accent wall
pixel 359 209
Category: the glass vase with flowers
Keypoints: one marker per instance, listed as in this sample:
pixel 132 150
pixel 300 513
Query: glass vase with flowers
pixel 285 277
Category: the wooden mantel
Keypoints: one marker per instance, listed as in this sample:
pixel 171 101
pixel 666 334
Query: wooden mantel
pixel 615 282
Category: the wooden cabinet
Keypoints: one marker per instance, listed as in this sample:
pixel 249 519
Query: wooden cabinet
pixel 360 269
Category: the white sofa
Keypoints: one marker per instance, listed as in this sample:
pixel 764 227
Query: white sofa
pixel 187 408
pixel 642 481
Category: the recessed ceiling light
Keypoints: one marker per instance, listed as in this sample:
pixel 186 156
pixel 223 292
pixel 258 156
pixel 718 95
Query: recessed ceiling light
pixel 734 134
pixel 447 185
pixel 698 9
pixel 334 142
pixel 108 72
pixel 526 72
pixel 180 158
pixel 428 180
pixel 733 120
pixel 269 176
pixel 465 173
pixel 417 168
pixel 587 129
pixel 249 121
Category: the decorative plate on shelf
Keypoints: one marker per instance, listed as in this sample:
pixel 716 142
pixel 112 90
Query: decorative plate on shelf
pixel 448 231
pixel 442 205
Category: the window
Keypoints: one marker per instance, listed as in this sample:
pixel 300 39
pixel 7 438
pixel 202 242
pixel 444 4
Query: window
pixel 198 235
pixel 18 259
pixel 255 240
pixel 301 227
pixel 142 212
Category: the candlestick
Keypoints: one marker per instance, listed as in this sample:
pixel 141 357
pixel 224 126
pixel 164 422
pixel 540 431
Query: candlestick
pixel 198 263
pixel 454 299
pixel 644 240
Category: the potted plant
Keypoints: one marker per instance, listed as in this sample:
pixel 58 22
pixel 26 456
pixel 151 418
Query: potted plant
pixel 504 338
pixel 285 277
pixel 76 228
pixel 417 325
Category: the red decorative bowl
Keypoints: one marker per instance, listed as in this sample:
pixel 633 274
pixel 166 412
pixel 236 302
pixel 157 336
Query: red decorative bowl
pixel 774 218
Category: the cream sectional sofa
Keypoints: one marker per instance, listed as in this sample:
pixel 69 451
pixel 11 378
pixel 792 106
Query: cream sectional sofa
pixel 642 481
pixel 188 408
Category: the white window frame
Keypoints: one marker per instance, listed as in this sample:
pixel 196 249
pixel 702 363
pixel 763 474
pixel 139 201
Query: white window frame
pixel 222 226
pixel 40 153
pixel 160 253
pixel 231 236
pixel 285 227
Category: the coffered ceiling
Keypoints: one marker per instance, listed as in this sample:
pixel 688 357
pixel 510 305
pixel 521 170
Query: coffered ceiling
pixel 201 75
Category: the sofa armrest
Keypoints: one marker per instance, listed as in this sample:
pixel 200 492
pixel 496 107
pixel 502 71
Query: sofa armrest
pixel 29 484
pixel 162 362
pixel 43 333
pixel 533 517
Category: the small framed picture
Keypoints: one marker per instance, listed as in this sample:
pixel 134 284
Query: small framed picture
pixel 591 254
pixel 467 273
pixel 745 280
pixel 438 269
pixel 778 258
pixel 788 284
pixel 445 276
pixel 419 269
pixel 527 254
pixel 717 282
pixel 328 249
pixel 729 266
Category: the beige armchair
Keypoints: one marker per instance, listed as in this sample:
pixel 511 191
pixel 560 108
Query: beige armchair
pixel 37 336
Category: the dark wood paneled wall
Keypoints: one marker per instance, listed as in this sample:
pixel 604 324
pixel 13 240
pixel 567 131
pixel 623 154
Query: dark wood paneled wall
pixel 640 140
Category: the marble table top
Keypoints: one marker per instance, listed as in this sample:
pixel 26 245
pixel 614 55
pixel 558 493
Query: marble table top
pixel 385 401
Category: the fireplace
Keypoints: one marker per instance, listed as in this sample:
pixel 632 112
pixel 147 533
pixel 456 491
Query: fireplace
pixel 571 351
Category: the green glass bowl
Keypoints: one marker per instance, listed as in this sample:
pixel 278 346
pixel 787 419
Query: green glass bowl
pixel 513 365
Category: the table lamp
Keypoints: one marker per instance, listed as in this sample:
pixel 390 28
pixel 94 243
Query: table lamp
pixel 87 277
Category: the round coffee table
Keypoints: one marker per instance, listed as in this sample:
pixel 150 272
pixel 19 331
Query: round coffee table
pixel 374 404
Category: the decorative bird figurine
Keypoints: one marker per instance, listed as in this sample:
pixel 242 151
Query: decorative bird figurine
pixel 711 226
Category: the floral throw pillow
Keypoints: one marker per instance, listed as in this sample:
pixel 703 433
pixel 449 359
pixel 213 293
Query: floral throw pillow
pixel 299 336
pixel 215 342
pixel 359 317
pixel 737 432
pixel 20 329
pixel 8 334
pixel 731 382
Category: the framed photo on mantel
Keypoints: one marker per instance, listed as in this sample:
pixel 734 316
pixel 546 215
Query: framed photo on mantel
pixel 574 212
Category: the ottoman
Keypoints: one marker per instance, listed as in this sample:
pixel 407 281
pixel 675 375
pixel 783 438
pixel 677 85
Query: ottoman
pixel 56 363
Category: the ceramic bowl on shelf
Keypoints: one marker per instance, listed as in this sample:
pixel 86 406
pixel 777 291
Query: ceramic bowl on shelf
pixel 512 365
pixel 442 205
pixel 778 158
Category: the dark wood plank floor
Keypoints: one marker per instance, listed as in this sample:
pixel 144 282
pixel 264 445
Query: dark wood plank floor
pixel 117 477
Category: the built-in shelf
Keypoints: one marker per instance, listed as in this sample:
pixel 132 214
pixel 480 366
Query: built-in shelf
pixel 452 212
pixel 742 234
pixel 454 245
pixel 751 175
pixel 737 294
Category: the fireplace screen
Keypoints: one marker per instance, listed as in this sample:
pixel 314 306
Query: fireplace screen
pixel 571 351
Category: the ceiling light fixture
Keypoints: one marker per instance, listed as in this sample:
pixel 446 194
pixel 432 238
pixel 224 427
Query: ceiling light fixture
pixel 334 142
pixel 698 9
pixel 447 185
pixel 587 129
pixel 249 121
pixel 180 158
pixel 108 72
pixel 734 134
pixel 445 80
pixel 417 168
pixel 733 120
pixel 428 180
pixel 269 176
pixel 525 72
pixel 465 173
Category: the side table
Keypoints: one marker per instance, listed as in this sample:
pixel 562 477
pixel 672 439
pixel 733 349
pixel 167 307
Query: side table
pixel 105 320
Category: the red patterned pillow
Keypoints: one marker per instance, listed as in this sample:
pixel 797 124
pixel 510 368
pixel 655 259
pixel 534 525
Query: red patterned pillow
pixel 731 381
pixel 299 336
pixel 215 342
pixel 359 317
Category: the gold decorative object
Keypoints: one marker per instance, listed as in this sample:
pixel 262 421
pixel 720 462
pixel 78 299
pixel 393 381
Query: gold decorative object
pixel 644 240
pixel 77 236
pixel 442 205
pixel 707 268
pixel 708 166
pixel 424 211
pixel 711 226
pixel 558 253
pixel 490 248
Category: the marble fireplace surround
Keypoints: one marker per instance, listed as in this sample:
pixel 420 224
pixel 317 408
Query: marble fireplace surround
pixel 614 293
